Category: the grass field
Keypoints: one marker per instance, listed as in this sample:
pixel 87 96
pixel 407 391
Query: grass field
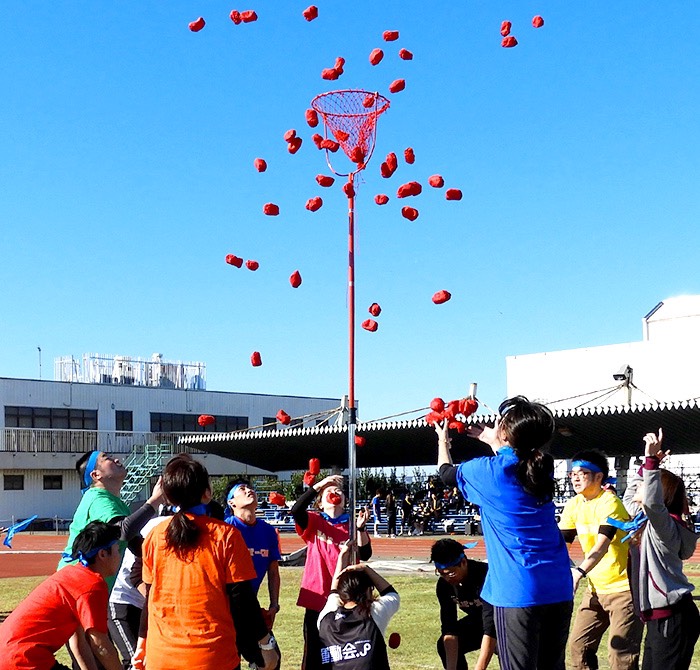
pixel 417 620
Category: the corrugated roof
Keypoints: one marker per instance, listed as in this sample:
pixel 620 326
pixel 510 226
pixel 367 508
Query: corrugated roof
pixel 615 430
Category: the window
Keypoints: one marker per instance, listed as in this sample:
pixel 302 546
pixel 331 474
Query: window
pixel 270 422
pixel 13 482
pixel 124 420
pixel 162 422
pixel 296 423
pixel 50 417
pixel 53 482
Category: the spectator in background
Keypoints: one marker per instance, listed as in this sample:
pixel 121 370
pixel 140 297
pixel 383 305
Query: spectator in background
pixel 390 504
pixel 377 511
pixel 406 514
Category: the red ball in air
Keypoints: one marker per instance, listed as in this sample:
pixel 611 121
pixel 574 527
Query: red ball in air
pixel 314 204
pixel 371 325
pixel 290 135
pixel 206 420
pixel 505 28
pixel 349 189
pixel 437 404
pixel 283 417
pixel 252 265
pixel 397 85
pixel 256 359
pixel 360 441
pixel 325 180
pixel 234 260
pixel 249 16
pixel 295 279
pixel 357 155
pixel 311 117
pixel 376 56
pixel 409 156
pixel 310 13
pixel 235 16
pixel 381 199
pixel 260 164
pixel 314 466
pixel 441 297
pixel 509 42
pixel 270 209
pixel 537 21
pixel 390 35
pixel 375 309
pixel 392 161
pixel 294 145
pixel 453 194
pixel 405 54
pixel 409 213
pixel 197 25
pixel 436 181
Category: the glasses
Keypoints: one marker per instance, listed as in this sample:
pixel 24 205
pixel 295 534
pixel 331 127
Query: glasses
pixel 575 474
pixel 447 572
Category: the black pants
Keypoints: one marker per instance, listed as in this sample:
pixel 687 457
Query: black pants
pixel 533 638
pixel 312 642
pixel 470 632
pixel 670 642
pixel 123 625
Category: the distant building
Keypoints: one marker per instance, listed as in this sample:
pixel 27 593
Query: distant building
pixel 118 404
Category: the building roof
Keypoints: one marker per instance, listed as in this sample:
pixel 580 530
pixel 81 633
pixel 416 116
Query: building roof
pixel 616 430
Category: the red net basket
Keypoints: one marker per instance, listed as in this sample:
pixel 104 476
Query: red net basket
pixel 350 118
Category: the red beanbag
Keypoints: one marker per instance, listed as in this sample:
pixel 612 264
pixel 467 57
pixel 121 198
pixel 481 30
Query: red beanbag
pixel 453 194
pixel 234 260
pixel 436 181
pixel 360 441
pixel 235 16
pixel 375 309
pixel 505 28
pixel 441 297
pixel 249 16
pixel 409 213
pixel 432 418
pixel 357 155
pixel 349 190
pixel 256 359
pixel 330 145
pixel 311 117
pixel 252 265
pixel 309 479
pixel 283 417
pixel 330 74
pixel 409 156
pixel 294 145
pixel 537 21
pixel 197 25
pixel 317 139
pixel 206 420
pixel 371 325
pixel 408 189
pixel 385 170
pixel 369 101
pixel 509 42
pixel 276 498
pixel 390 35
pixel 468 406
pixel 397 85
pixel 452 409
pixel 392 161
pixel 381 199
pixel 314 204
pixel 314 466
pixel 270 209
pixel 405 54
pixel 295 279
pixel 324 180
pixel 376 56
pixel 437 404
pixel 341 135
pixel 260 164
pixel 310 13
pixel 290 135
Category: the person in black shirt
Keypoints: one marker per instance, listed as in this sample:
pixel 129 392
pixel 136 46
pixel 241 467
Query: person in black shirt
pixel 459 586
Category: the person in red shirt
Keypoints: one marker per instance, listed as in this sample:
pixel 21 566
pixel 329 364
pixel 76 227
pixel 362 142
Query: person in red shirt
pixel 198 575
pixel 70 600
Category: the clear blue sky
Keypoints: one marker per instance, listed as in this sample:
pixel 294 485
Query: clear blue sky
pixel 126 176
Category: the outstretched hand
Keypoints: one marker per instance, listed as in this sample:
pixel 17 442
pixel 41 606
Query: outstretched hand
pixel 653 445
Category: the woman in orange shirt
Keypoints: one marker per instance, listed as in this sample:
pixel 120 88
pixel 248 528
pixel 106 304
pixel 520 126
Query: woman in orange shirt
pixel 197 570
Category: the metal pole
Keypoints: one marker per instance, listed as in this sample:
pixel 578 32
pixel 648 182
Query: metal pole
pixel 352 418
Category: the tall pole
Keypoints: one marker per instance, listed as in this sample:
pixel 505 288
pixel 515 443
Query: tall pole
pixel 352 418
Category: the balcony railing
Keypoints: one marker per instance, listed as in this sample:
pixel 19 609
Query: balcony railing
pixel 51 441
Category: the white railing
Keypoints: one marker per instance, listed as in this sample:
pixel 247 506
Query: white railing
pixel 50 440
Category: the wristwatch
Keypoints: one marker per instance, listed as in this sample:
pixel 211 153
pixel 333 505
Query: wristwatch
pixel 270 644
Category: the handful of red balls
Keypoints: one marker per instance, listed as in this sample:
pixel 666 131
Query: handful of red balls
pixel 455 411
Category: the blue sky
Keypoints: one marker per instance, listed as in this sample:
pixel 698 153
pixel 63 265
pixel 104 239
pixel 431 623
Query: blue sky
pixel 126 175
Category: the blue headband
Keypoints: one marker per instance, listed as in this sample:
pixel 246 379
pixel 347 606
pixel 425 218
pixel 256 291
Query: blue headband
pixel 233 490
pixel 586 464
pixel 87 475
pixel 444 566
pixel 83 558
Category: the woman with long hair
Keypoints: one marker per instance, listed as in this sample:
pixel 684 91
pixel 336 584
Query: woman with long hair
pixel 354 618
pixel 662 538
pixel 529 581
pixel 198 574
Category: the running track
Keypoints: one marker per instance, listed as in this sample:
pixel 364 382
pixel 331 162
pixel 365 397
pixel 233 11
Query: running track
pixel 37 555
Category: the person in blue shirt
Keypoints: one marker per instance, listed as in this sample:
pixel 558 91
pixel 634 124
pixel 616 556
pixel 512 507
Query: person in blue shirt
pixel 529 580
pixel 263 543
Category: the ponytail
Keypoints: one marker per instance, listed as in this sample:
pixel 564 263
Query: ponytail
pixel 182 535
pixel 528 427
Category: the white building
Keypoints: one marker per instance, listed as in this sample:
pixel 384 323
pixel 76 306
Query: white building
pixel 118 404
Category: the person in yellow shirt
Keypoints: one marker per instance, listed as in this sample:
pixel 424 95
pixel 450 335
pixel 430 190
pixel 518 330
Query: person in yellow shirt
pixel 607 602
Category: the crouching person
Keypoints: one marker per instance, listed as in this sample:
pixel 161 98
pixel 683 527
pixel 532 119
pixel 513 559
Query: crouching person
pixel 459 587
pixel 71 599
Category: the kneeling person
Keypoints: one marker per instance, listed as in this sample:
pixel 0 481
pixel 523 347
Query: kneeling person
pixel 459 586
pixel 71 599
